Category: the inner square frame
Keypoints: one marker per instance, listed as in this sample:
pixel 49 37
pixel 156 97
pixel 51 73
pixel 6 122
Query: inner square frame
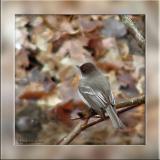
pixel 10 9
pixel 144 114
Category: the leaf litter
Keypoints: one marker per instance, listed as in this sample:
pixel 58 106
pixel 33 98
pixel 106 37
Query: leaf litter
pixel 48 48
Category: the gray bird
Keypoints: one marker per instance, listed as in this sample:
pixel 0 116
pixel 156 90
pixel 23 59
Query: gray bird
pixel 96 93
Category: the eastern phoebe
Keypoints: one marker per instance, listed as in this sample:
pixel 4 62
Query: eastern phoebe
pixel 95 91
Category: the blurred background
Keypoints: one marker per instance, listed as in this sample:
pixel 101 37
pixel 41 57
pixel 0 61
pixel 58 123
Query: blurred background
pixel 35 42
pixel 48 48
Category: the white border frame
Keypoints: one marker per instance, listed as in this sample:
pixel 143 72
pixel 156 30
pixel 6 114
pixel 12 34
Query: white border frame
pixel 70 12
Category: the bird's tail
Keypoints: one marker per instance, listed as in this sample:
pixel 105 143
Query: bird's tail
pixel 117 123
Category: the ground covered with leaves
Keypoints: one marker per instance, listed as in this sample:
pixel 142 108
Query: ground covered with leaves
pixel 48 48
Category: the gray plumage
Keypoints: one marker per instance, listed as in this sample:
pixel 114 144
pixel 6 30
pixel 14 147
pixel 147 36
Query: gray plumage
pixel 95 91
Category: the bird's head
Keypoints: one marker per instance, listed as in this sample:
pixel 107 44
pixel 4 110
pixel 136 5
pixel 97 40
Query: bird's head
pixel 87 68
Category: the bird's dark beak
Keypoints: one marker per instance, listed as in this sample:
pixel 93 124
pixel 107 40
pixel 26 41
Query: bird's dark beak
pixel 78 66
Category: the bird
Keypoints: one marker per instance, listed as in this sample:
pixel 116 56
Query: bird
pixel 95 91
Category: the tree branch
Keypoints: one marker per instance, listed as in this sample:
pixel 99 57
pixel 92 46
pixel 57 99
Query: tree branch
pixel 133 29
pixel 133 102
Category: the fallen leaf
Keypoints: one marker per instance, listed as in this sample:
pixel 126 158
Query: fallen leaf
pixel 35 91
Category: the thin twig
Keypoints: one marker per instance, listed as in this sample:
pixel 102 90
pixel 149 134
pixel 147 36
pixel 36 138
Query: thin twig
pixel 101 120
pixel 133 102
pixel 75 132
pixel 133 29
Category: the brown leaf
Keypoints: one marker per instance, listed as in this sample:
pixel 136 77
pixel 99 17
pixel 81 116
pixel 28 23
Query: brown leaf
pixel 96 48
pixel 62 113
pixel 109 66
pixel 35 91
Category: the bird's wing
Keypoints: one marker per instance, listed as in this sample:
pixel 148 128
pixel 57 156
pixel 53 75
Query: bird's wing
pixel 107 93
pixel 111 98
pixel 91 99
pixel 94 97
pixel 83 99
pixel 86 90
